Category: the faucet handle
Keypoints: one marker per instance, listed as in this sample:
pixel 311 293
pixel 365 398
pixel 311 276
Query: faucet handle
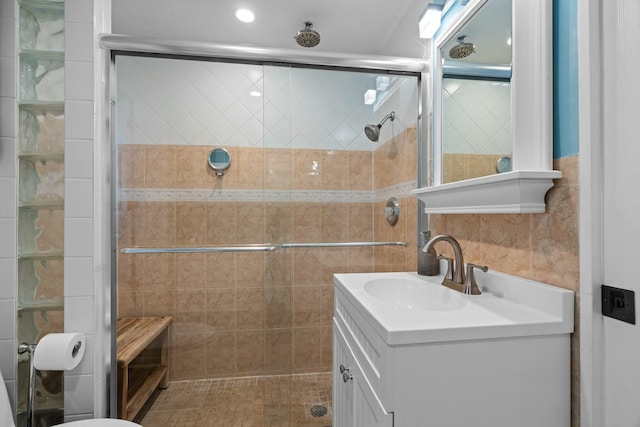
pixel 449 275
pixel 470 285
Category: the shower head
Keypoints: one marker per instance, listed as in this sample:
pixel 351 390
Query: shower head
pixel 373 131
pixel 462 49
pixel 307 37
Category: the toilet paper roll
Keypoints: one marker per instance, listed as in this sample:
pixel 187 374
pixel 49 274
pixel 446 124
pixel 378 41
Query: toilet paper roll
pixel 59 352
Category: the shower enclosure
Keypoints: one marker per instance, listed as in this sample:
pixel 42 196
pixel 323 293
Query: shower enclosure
pixel 243 261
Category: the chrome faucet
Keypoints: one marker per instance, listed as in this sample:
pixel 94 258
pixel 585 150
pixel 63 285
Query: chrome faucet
pixel 455 277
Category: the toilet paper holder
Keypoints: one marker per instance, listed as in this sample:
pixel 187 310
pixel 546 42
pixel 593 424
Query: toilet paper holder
pixel 30 349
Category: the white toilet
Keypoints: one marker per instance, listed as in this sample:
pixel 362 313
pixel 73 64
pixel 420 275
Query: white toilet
pixel 6 415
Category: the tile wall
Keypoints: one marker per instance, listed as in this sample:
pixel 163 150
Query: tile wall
pixel 254 313
pixel 542 247
pixel 456 167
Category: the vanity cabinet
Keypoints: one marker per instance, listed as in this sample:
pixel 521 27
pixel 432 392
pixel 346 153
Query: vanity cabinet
pixel 459 376
pixel 355 402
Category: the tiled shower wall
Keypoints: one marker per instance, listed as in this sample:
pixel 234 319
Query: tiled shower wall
pixel 247 314
pixel 542 247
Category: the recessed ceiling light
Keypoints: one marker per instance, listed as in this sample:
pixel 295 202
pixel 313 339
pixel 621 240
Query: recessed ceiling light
pixel 255 93
pixel 245 15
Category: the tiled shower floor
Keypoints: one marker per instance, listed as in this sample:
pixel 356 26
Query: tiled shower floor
pixel 269 401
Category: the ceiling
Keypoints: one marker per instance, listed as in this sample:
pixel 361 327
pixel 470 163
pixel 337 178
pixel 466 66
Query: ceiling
pixel 373 27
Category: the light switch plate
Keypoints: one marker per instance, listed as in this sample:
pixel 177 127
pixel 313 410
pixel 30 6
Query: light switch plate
pixel 619 304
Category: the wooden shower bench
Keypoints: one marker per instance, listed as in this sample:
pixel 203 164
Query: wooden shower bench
pixel 136 382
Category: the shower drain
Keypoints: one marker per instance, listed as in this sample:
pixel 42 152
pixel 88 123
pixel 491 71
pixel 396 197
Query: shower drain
pixel 318 411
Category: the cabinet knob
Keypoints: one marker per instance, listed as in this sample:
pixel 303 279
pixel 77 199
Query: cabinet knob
pixel 346 377
pixel 343 369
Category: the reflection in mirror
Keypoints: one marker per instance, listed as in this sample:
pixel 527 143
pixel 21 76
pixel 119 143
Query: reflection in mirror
pixel 476 95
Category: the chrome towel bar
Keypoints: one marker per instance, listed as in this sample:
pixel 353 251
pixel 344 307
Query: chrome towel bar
pixel 255 248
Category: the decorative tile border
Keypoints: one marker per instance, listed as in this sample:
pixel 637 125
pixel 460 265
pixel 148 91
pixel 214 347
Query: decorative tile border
pixel 219 195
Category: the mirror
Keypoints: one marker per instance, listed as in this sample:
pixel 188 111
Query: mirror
pixel 500 161
pixel 476 95
pixel 219 160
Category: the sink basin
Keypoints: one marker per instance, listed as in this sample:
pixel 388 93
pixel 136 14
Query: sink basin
pixel 415 294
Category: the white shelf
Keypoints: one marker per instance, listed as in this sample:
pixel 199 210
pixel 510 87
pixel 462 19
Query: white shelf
pixel 510 192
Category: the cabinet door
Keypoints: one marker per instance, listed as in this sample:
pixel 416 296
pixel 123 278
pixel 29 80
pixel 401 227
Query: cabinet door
pixel 355 404
pixel 342 391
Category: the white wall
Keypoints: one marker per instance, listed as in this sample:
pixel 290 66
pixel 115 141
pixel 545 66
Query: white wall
pixel 163 101
pixel 621 93
pixel 8 185
pixel 476 117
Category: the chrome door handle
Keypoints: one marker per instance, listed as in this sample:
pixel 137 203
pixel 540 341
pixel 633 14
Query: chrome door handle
pixel 346 377
pixel 343 369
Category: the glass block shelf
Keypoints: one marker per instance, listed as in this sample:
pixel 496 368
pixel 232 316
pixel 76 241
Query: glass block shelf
pixel 56 304
pixel 42 54
pixel 42 255
pixel 44 204
pixel 41 156
pixel 42 106
pixel 38 5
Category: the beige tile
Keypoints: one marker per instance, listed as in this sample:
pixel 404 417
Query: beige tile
pixel 250 351
pixel 221 223
pixel 307 169
pixel 130 272
pixel 305 267
pixel 190 322
pixel 332 261
pixel 250 269
pixel 221 270
pixel 306 351
pixel 131 223
pixel 221 310
pixel 131 166
pixel 277 349
pixel 307 222
pixel 191 223
pixel 327 305
pixel 554 238
pixel 220 353
pixel 361 260
pixel 250 308
pixel 250 223
pixel 160 166
pixel 188 301
pixel 191 271
pixel 278 307
pixel 187 360
pixel 506 243
pixel 278 268
pixel 160 224
pixel 570 170
pixel 278 222
pixel 335 222
pixel 360 220
pixel 159 271
pixel 360 170
pixel 307 306
pixel 335 165
pixel 191 166
pixel 159 303
pixel 130 303
pixel 250 167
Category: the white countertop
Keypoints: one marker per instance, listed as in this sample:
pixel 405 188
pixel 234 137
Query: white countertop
pixel 509 306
